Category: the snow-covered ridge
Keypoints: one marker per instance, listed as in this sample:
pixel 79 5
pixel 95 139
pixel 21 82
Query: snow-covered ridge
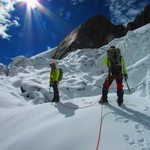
pixel 83 70
pixel 51 126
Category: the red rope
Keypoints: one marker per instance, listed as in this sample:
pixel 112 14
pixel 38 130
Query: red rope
pixel 100 129
pixel 78 107
pixel 101 120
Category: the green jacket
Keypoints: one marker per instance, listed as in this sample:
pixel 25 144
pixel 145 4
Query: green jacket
pixel 106 61
pixel 54 75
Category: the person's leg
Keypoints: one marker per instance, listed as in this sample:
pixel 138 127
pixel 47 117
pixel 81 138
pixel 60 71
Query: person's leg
pixel 56 92
pixel 106 85
pixel 120 91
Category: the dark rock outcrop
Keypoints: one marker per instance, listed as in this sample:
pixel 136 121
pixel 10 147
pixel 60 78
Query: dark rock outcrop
pixel 95 32
pixel 98 31
pixel 140 20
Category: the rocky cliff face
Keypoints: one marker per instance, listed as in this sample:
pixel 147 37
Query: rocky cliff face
pixel 98 31
pixel 94 33
pixel 141 19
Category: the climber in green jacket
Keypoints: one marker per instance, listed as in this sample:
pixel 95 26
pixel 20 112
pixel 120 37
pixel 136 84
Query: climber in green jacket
pixel 54 81
pixel 116 70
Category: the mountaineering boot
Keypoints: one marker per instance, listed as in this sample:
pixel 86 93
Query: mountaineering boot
pixel 102 101
pixel 53 100
pixel 56 97
pixel 57 101
pixel 120 94
pixel 104 96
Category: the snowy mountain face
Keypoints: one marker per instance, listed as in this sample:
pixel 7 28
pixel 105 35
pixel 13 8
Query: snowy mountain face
pixel 83 70
pixel 98 31
pixel 50 126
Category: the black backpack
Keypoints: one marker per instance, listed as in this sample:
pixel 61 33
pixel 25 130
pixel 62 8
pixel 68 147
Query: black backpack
pixel 114 56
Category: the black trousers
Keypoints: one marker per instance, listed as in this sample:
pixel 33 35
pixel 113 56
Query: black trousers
pixel 56 92
pixel 108 81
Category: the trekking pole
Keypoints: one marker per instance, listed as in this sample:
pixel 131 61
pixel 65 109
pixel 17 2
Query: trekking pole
pixel 127 85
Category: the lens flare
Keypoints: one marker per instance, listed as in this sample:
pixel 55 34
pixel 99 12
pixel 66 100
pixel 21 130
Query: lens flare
pixel 34 13
pixel 32 3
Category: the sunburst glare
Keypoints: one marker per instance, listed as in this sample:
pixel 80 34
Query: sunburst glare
pixel 34 14
pixel 31 3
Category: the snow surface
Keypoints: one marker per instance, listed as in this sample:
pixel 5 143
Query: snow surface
pixel 28 122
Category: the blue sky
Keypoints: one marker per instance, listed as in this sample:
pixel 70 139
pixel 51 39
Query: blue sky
pixel 29 27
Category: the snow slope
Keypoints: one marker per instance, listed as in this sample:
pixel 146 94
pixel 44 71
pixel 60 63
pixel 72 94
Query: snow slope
pixel 54 127
pixel 48 126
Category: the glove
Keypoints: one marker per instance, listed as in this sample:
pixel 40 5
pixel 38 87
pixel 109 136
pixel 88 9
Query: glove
pixel 126 76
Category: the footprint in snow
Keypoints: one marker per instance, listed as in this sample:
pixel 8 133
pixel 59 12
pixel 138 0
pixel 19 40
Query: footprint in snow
pixel 122 120
pixel 138 139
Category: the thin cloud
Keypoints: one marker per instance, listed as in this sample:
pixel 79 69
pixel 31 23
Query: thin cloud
pixel 6 7
pixel 123 12
pixel 133 12
pixel 3 34
pixel 15 22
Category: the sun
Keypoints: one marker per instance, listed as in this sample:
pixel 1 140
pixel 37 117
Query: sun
pixel 32 3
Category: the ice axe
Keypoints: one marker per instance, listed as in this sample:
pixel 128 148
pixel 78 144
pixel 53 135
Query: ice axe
pixel 127 84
